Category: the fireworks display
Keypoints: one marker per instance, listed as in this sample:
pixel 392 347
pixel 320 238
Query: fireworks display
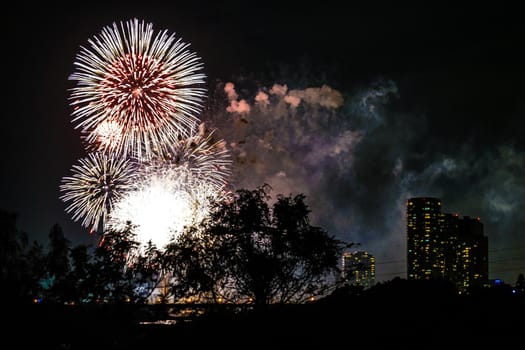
pixel 152 164
pixel 207 159
pixel 162 202
pixel 141 87
pixel 97 182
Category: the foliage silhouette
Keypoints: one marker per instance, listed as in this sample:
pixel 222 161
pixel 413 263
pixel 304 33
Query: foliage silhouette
pixel 520 285
pixel 251 251
pixel 13 265
pixel 58 266
pixel 115 271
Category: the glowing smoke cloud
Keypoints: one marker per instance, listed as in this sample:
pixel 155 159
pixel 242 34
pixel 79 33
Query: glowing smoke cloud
pixel 306 141
pixel 285 136
pixel 358 158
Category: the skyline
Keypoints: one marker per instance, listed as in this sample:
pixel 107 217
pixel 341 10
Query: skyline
pixel 431 104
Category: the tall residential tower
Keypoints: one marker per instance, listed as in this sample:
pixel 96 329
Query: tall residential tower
pixel 358 269
pixel 445 246
pixel 425 243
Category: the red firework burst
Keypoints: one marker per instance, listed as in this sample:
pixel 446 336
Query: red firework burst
pixel 136 92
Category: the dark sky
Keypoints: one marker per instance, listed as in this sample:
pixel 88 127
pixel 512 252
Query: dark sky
pixel 433 105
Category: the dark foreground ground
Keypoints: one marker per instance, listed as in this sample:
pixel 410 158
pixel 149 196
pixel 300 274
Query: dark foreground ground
pixel 396 321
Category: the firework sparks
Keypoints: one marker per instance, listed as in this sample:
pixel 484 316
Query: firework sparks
pixel 137 97
pixel 144 87
pixel 205 157
pixel 108 134
pixel 97 182
pixel 162 203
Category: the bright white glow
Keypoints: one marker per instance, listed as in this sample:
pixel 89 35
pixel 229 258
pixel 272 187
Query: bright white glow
pixel 108 135
pixel 157 213
pixel 163 202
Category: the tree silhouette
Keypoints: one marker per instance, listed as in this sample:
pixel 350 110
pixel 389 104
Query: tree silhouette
pixel 111 275
pixel 59 288
pixel 148 272
pixel 36 261
pixel 13 265
pixel 251 251
pixel 78 277
pixel 520 285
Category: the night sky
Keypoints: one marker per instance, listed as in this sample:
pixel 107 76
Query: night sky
pixel 358 108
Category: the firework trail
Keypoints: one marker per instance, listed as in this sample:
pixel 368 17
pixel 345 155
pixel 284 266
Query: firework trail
pixel 97 182
pixel 136 91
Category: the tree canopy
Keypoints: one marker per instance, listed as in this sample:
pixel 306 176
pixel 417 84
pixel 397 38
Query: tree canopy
pixel 250 250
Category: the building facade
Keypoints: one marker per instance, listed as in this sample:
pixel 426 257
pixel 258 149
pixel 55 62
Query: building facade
pixel 445 246
pixel 471 255
pixel 425 248
pixel 358 269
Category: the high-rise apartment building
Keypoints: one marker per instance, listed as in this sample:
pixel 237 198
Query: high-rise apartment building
pixel 442 245
pixel 358 269
pixel 471 249
pixel 425 248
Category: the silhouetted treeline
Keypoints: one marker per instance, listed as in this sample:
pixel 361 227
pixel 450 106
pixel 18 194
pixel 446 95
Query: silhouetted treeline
pixel 66 274
pixel 246 251
pixel 21 264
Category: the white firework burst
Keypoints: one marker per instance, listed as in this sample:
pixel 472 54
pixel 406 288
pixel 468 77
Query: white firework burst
pixel 97 181
pixel 162 203
pixel 206 158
